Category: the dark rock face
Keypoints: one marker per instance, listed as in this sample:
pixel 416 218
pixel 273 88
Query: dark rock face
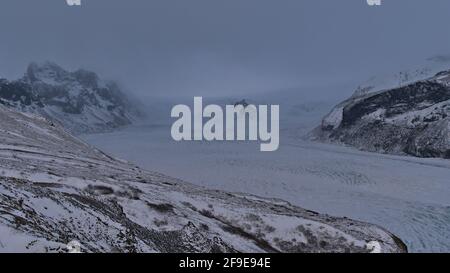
pixel 413 119
pixel 79 100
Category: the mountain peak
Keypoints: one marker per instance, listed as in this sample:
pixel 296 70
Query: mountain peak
pixel 46 72
pixel 79 100
pixel 87 78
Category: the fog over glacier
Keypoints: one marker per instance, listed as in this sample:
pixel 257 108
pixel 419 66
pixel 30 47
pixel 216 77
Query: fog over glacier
pixel 203 47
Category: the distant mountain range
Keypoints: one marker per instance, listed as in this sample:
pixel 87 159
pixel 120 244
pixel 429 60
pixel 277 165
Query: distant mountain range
pixel 410 115
pixel 79 100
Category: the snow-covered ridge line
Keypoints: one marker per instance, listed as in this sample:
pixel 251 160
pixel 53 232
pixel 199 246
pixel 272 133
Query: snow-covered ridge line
pixel 55 188
pixel 413 119
pixel 419 72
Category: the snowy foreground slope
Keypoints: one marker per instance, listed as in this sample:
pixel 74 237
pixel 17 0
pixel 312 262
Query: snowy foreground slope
pixel 79 100
pixel 55 189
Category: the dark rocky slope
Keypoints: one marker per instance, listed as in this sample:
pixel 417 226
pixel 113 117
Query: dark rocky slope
pixel 413 119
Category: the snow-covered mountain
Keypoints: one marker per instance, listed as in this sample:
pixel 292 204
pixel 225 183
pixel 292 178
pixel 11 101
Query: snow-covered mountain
pixel 55 188
pixel 390 80
pixel 412 117
pixel 79 100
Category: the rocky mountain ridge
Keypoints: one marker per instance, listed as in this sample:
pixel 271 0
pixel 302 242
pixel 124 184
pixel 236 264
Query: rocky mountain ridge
pixel 79 100
pixel 410 119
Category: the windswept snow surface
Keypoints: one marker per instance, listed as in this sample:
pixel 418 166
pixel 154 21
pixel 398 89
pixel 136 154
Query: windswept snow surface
pixel 408 196
pixel 55 189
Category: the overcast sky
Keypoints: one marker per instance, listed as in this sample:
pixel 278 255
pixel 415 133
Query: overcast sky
pixel 199 47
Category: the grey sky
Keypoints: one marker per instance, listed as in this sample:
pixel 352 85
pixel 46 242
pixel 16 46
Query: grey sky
pixel 173 47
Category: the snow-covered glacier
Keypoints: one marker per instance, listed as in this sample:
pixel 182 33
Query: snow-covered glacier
pixel 55 189
pixel 407 195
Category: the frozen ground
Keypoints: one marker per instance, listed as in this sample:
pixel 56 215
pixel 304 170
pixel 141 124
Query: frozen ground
pixel 406 195
pixel 55 189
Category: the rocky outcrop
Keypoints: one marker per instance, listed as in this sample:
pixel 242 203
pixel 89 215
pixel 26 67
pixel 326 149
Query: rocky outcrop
pixel 413 119
pixel 79 100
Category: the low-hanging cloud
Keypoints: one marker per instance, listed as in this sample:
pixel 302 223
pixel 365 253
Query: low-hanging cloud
pixel 218 47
